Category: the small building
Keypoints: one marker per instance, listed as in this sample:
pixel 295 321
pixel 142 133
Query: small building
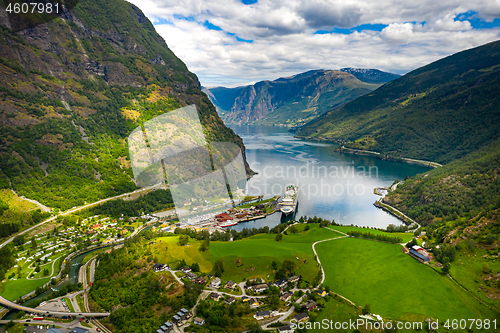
pixel 185 269
pixel 285 329
pixel 286 297
pixel 216 297
pixel 310 305
pixel 186 313
pixel 159 267
pixel 245 299
pixel 260 288
pixel 420 257
pixel 321 293
pixel 198 321
pixel 230 285
pixel 301 317
pixel 74 330
pixel 259 315
pixel 190 275
pixel 253 303
pixel 215 283
pixel 281 283
pixel 230 300
pixel 169 326
pixel 200 280
pixel 177 320
pixel 293 279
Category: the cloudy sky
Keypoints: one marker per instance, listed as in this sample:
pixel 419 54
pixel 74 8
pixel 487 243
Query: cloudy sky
pixel 235 42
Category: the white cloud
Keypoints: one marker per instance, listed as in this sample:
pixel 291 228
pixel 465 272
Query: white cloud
pixel 284 42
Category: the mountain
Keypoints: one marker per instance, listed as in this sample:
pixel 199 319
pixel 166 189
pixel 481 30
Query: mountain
pixel 439 112
pixel 294 100
pixel 73 89
pixel 371 75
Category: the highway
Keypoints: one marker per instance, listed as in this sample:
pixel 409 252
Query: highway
pixel 26 309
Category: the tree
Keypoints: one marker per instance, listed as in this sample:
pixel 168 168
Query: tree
pixel 195 267
pixel 218 268
pixel 183 240
pixel 21 314
pixel 446 265
pixel 278 237
pixel 366 309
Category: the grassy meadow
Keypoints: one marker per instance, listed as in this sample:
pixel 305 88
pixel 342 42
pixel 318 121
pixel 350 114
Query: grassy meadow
pixel 250 257
pixel 394 284
pixel 405 236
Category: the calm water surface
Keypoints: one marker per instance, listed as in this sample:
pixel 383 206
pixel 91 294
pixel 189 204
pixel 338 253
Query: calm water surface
pixel 332 185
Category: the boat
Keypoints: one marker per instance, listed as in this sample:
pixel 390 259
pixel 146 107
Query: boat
pixel 288 202
pixel 229 223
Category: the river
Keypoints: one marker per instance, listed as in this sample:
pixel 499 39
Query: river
pixel 332 185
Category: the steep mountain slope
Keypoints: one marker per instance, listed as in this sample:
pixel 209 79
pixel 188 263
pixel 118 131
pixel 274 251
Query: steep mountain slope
pixel 371 75
pixel 289 101
pixel 439 112
pixel 72 90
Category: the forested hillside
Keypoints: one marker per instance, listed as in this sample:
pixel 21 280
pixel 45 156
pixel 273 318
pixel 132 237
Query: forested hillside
pixel 72 90
pixel 439 112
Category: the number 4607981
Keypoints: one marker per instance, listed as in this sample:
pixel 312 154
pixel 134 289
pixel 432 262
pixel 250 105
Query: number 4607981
pixel 32 8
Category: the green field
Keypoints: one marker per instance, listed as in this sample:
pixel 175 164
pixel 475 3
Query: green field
pixel 250 257
pixel 467 268
pixel 394 284
pixel 405 236
pixel 12 290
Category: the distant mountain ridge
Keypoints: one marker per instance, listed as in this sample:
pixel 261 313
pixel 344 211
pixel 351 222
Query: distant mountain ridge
pixel 439 112
pixel 371 75
pixel 292 101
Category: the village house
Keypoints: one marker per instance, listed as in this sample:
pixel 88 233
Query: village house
pixel 253 303
pixel 245 299
pixel 259 315
pixel 230 285
pixel 321 293
pixel 185 269
pixel 301 317
pixel 216 297
pixel 310 305
pixel 200 280
pixel 198 321
pixel 190 276
pixel 281 283
pixel 285 329
pixel 230 300
pixel 259 288
pixel 160 267
pixel 293 279
pixel 286 297
pixel 215 283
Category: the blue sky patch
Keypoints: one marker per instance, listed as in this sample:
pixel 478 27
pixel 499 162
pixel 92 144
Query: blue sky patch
pixel 211 26
pixel 359 28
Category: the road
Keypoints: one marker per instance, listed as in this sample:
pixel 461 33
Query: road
pixel 26 309
pixel 76 209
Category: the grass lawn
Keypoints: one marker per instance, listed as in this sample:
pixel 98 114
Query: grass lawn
pixel 12 290
pixel 467 270
pixel 250 257
pixel 394 284
pixel 406 236
pixel 256 254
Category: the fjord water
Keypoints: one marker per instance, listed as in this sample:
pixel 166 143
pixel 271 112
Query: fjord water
pixel 332 185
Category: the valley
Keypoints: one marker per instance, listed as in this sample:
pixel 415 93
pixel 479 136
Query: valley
pixel 396 218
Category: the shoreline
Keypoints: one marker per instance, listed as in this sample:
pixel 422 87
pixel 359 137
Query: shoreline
pixel 387 158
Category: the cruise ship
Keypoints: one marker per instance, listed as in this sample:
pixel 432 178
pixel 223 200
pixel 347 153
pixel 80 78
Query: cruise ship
pixel 288 201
